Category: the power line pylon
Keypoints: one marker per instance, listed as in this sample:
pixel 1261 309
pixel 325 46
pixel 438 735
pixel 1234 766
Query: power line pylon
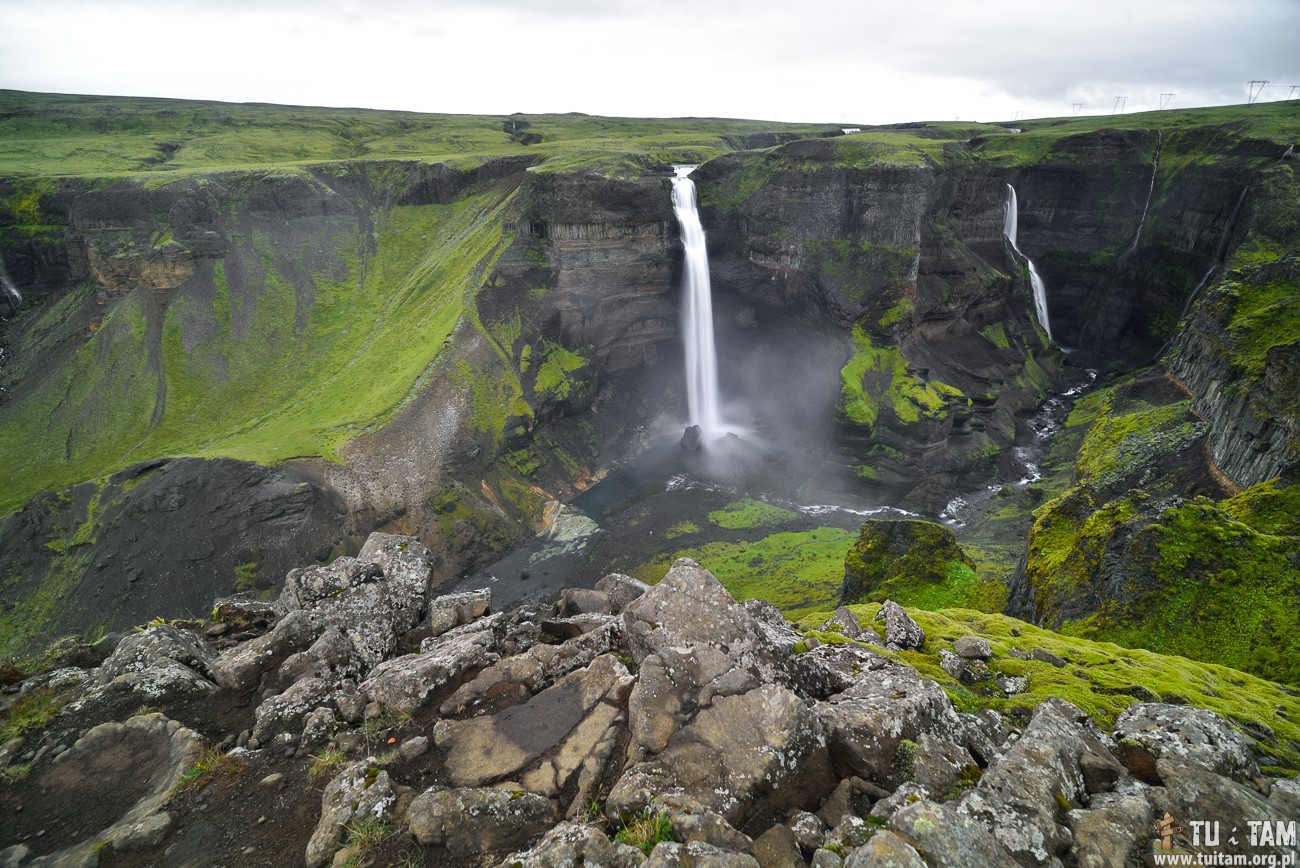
pixel 1256 88
pixel 1165 99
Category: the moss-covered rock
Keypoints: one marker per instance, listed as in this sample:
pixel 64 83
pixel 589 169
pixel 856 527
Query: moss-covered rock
pixel 909 561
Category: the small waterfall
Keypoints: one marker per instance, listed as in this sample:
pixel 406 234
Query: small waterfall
pixel 1010 228
pixel 1155 165
pixel 8 285
pixel 697 317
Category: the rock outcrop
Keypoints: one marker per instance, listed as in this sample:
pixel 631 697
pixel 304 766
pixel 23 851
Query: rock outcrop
pixel 686 728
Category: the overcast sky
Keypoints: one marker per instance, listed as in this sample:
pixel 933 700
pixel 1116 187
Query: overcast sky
pixel 855 61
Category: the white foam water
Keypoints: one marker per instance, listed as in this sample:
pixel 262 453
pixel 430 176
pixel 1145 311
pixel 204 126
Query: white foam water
pixel 697 316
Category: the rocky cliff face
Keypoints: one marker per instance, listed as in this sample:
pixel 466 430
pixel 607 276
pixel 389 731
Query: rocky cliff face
pixel 452 351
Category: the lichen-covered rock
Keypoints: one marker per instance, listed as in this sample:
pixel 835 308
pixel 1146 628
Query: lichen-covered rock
pixel 1113 831
pixel 673 685
pixel 469 821
pixel 947 838
pixel 583 601
pixel 569 844
pixel 867 723
pixel 288 711
pixel 886 849
pixel 621 589
pixel 778 848
pixel 1192 792
pixel 758 752
pixel 1187 736
pixel 356 794
pixel 159 661
pixel 844 622
pixel 972 648
pixel 242 667
pixel 408 682
pixel 901 632
pixel 696 854
pixel 1021 797
pixel 826 670
pixel 689 608
pixel 559 741
pixel 449 611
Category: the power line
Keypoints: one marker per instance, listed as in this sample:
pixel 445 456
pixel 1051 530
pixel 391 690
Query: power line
pixel 1165 99
pixel 1255 91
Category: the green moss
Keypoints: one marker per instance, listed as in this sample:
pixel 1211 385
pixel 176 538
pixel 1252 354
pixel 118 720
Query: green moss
pixel 997 335
pixel 682 528
pixel 794 571
pixel 553 374
pixel 876 378
pixel 1101 678
pixel 750 513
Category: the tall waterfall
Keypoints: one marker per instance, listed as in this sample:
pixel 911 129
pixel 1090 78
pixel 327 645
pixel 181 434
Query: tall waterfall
pixel 697 317
pixel 1010 227
pixel 8 285
pixel 1155 167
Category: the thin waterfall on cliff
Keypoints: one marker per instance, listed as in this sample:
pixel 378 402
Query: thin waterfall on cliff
pixel 697 316
pixel 1010 226
pixel 8 285
pixel 1155 167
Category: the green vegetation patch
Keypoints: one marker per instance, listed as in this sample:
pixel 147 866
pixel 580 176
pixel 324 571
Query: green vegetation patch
pixel 277 351
pixel 1099 677
pixel 876 377
pixel 750 513
pixel 794 571
pixel 553 375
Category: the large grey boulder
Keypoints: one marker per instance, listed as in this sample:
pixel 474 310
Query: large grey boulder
pixel 242 667
pixel 519 676
pixel 759 752
pixel 901 632
pixel 1185 736
pixel 559 742
pixel 1021 795
pixel 675 684
pixel 1190 792
pixel 621 589
pixel 469 821
pixel 867 722
pixel 354 795
pixel 691 608
pixel 571 843
pixel 886 849
pixel 410 681
pixel 158 662
pixel 947 838
pixel 1113 832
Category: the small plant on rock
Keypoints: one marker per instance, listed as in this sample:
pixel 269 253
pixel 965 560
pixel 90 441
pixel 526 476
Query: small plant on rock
pixel 644 833
pixel 325 762
pixel 30 713
pixel 213 760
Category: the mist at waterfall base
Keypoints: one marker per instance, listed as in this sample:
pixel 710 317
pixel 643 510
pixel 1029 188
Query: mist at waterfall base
pixel 763 385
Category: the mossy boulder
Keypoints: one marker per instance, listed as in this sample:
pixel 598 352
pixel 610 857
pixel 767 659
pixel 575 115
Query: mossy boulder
pixel 894 557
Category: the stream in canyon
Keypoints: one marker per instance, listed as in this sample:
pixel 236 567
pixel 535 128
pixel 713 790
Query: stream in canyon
pixel 768 446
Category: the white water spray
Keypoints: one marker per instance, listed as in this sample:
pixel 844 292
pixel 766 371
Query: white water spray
pixel 697 318
pixel 8 285
pixel 1010 227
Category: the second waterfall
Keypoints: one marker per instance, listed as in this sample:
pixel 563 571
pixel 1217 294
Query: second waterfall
pixel 697 315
